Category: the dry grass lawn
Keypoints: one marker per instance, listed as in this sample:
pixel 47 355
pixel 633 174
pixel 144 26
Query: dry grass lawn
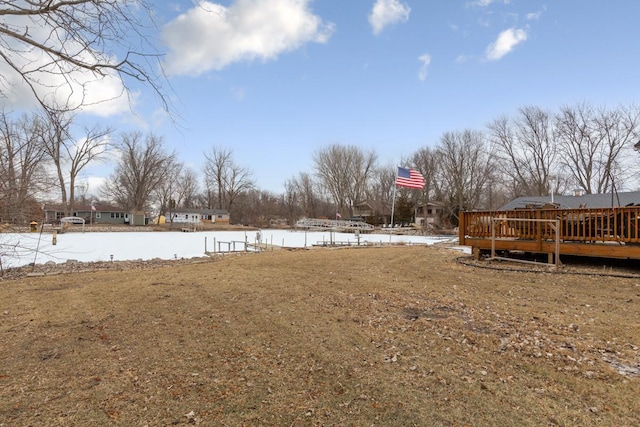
pixel 395 336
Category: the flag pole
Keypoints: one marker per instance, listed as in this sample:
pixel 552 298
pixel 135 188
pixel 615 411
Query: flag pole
pixel 393 203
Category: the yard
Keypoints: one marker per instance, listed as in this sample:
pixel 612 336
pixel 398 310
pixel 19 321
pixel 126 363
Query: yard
pixel 402 335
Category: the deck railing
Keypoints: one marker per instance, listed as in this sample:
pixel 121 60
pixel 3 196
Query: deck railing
pixel 617 224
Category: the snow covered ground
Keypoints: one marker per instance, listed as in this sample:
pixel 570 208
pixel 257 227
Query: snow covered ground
pixel 19 249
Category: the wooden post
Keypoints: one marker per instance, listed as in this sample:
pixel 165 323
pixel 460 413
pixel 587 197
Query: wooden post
pixel 461 228
pixel 537 224
pixel 493 237
pixel 558 230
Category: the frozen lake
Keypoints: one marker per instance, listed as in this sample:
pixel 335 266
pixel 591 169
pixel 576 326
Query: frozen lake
pixel 19 249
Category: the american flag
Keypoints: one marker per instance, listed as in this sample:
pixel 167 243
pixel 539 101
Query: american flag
pixel 409 178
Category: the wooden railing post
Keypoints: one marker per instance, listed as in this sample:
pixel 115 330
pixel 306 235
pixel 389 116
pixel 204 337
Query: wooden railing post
pixel 538 230
pixel 462 228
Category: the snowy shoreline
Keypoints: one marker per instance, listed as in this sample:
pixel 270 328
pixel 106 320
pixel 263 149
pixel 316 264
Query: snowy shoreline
pixel 19 249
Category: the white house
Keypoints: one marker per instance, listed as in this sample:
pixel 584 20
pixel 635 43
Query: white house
pixel 197 216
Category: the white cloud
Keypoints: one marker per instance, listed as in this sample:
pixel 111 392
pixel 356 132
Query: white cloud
pixel 534 16
pixel 58 84
pixel 387 12
pixel 239 93
pixel 211 36
pixel 484 3
pixel 505 43
pixel 426 61
pixel 95 184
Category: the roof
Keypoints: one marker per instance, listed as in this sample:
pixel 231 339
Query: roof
pixel 100 207
pixel 375 205
pixel 605 200
pixel 432 203
pixel 200 211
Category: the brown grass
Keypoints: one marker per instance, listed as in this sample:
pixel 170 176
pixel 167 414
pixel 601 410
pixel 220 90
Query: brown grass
pixel 394 336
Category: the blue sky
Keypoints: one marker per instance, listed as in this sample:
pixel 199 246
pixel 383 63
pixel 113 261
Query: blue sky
pixel 275 80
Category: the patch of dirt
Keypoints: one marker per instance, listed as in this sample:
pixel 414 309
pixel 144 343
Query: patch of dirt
pixel 403 335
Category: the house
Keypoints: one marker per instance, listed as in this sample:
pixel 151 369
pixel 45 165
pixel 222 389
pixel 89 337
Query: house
pixel 198 216
pixel 605 200
pixel 97 213
pixel 372 211
pixel 429 214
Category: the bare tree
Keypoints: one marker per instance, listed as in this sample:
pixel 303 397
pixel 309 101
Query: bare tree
pixel 527 150
pixel 144 164
pixel 426 161
pixel 257 207
pixel 22 166
pixel 345 172
pixel 593 142
pixel 238 180
pixel 291 201
pixel 71 156
pixel 225 178
pixel 165 193
pixel 57 48
pixel 381 185
pixel 187 188
pixel 178 190
pixel 307 194
pixel 217 162
pixel 466 165
pixel 81 193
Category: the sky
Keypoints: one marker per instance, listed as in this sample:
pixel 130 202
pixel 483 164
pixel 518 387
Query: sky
pixel 277 80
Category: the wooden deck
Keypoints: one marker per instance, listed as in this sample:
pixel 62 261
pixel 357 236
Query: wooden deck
pixel 602 232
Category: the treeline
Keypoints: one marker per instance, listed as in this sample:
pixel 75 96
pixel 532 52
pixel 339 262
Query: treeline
pixel 531 153
pixel 578 148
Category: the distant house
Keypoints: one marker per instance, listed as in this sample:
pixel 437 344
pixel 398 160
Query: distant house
pixel 102 213
pixel 198 216
pixel 372 211
pixel 605 200
pixel 429 214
